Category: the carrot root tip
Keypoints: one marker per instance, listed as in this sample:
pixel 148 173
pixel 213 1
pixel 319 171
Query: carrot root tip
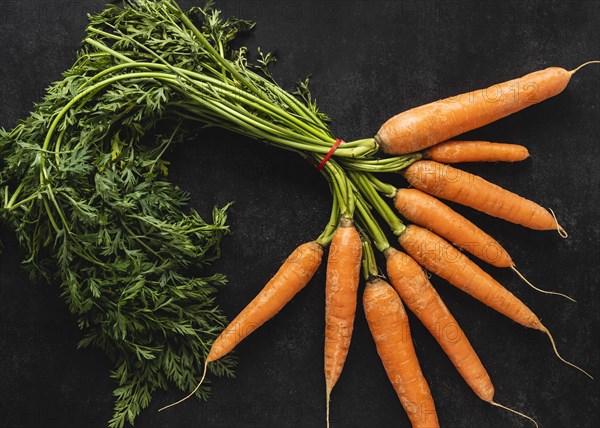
pixel 191 393
pixel 545 330
pixel 561 231
pixel 493 403
pixel 327 400
pixel 583 65
pixel 514 268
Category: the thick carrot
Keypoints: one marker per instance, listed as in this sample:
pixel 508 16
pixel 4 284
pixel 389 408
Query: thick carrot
pixel 459 186
pixel 441 258
pixel 429 212
pixel 389 326
pixel 429 124
pixel 416 291
pixel 476 151
pixel 343 274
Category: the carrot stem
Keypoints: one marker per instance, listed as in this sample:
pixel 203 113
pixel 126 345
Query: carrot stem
pixel 367 190
pixel 385 188
pixel 369 264
pixel 379 239
pixel 325 238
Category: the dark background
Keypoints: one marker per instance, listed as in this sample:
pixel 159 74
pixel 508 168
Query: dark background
pixel 370 60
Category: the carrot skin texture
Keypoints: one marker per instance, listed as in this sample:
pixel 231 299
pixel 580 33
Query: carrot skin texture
pixel 418 294
pixel 446 182
pixel 429 124
pixel 389 327
pixel 341 293
pixel 425 210
pixel 441 258
pixel 291 277
pixel 476 151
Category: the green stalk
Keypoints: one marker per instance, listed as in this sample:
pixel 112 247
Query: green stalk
pixel 325 238
pixel 367 190
pixel 392 164
pixel 385 188
pixel 369 264
pixel 371 225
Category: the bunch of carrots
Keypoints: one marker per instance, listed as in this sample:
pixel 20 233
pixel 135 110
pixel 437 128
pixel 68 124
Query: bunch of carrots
pixel 434 240
pixel 150 64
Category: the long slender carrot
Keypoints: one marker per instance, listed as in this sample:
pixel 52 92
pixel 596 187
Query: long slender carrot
pixel 291 277
pixel 429 212
pixel 476 151
pixel 343 274
pixel 418 294
pixel 416 291
pixel 459 186
pixel 441 258
pixel 429 124
pixel 389 326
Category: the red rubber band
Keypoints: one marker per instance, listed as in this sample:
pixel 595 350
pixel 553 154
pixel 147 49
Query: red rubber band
pixel 330 153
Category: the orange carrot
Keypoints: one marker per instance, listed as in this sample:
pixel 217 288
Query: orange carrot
pixel 343 274
pixel 429 124
pixel 418 294
pixel 473 191
pixel 389 326
pixel 291 277
pixel 427 211
pixel 476 151
pixel 416 291
pixel 441 258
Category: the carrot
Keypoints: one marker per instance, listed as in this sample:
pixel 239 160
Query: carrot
pixel 427 211
pixel 291 277
pixel 476 151
pixel 389 326
pixel 416 291
pixel 343 274
pixel 429 124
pixel 473 191
pixel 441 258
pixel 418 294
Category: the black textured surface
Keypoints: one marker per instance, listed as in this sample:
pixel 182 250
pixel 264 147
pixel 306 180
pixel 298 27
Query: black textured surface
pixel 369 59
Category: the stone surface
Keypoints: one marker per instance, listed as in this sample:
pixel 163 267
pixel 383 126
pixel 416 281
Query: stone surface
pixel 369 60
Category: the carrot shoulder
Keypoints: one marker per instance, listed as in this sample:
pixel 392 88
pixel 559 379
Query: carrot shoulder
pixel 459 186
pixel 293 275
pixel 389 327
pixel 418 294
pixel 476 151
pixel 429 124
